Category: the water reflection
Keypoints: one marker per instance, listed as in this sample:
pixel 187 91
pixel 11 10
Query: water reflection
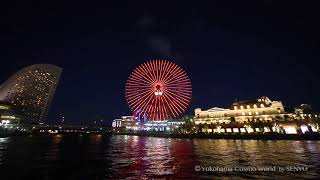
pixel 3 150
pixel 259 153
pixel 133 157
pixel 150 157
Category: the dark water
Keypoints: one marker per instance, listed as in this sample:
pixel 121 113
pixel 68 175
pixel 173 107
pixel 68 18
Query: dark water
pixel 132 157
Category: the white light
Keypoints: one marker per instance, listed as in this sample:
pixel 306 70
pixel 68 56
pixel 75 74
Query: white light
pixel 266 129
pixel 5 122
pixel 158 93
pixel 274 129
pixel 304 129
pixel 314 129
pixel 53 132
pixel 290 130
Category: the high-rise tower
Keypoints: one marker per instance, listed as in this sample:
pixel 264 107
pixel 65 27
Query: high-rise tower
pixel 31 90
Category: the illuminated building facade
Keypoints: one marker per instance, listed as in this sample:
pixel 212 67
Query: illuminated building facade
pixel 242 111
pixel 132 123
pixel 125 121
pixel 31 90
pixel 8 115
pixel 245 116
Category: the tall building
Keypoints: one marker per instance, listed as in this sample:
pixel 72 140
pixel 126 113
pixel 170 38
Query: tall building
pixel 31 90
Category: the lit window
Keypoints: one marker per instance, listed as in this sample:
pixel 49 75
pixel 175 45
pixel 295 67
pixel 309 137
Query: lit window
pixel 235 107
pixel 241 107
pixel 257 113
pixel 248 106
pixel 243 113
pixel 261 105
pixel 250 113
pixel 255 106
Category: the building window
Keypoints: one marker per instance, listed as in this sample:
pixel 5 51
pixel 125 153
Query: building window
pixel 241 107
pixel 243 113
pixel 254 106
pixel 257 113
pixel 250 113
pixel 261 105
pixel 248 106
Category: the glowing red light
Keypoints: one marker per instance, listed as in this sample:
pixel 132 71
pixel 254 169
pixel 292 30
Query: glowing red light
pixel 160 88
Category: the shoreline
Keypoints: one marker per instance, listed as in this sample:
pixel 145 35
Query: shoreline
pixel 258 136
pixel 269 136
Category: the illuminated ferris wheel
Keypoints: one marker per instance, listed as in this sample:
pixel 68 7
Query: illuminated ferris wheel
pixel 159 88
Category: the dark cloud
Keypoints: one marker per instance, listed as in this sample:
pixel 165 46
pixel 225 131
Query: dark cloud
pixel 145 22
pixel 157 43
pixel 160 45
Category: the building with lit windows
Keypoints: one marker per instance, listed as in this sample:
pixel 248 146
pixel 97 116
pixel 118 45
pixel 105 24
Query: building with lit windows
pixel 124 121
pixel 242 111
pixel 8 115
pixel 30 91
pixel 131 123
pixel 242 116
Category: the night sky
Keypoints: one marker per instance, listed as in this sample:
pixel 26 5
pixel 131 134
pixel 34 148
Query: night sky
pixel 230 50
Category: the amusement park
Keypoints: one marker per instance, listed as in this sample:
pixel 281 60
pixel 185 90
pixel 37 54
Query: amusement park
pixel 158 92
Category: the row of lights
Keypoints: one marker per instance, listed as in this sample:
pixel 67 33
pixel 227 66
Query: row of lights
pixel 248 106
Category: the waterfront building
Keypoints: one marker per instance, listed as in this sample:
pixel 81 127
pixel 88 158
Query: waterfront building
pixel 242 111
pixel 125 121
pixel 30 91
pixel 8 115
pixel 241 114
pixel 132 123
pixel 165 125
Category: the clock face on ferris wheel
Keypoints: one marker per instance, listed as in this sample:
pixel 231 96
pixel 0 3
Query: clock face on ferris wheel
pixel 159 88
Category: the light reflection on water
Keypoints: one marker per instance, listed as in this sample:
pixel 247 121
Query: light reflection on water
pixel 3 150
pixel 132 157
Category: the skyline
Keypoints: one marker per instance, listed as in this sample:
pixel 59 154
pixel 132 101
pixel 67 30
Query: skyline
pixel 226 56
pixel 11 78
